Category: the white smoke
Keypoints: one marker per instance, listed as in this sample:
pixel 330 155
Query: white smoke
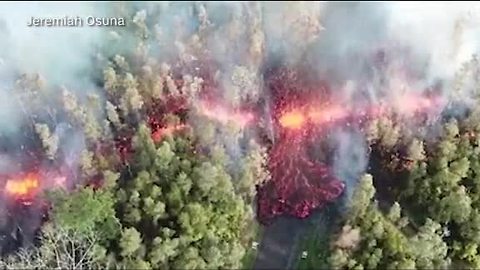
pixel 350 159
pixel 60 54
pixel 448 33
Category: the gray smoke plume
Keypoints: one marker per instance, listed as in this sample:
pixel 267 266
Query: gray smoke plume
pixel 60 54
pixel 350 158
pixel 56 56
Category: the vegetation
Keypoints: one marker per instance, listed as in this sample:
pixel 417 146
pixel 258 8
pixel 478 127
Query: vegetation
pixel 157 185
pixel 429 220
pixel 144 199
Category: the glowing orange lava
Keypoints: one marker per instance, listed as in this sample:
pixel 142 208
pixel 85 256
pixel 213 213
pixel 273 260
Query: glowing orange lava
pixel 328 114
pixel 293 119
pixel 224 114
pixel 297 118
pixel 24 187
pixel 406 105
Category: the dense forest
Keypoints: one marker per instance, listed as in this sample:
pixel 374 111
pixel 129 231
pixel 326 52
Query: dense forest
pixel 158 167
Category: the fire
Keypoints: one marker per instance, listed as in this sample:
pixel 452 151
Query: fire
pixel 24 187
pixel 293 119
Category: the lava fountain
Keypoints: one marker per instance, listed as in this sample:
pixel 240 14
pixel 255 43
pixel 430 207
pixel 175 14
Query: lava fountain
pixel 299 183
pixel 23 188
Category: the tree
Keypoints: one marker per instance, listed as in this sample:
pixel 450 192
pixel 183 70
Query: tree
pixel 252 171
pixel 389 133
pixel 395 212
pixel 375 241
pixel 181 209
pixel 163 248
pixel 86 211
pixel 456 206
pixel 112 114
pixel 416 150
pixel 430 250
pixel 338 259
pixel 60 248
pixel 110 79
pixel 362 197
pixel 87 164
pixel 130 243
pixel 49 142
pixel 144 147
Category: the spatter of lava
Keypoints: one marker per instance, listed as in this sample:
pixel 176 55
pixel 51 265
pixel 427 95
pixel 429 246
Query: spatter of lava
pixel 299 184
pixel 301 117
pixel 25 187
pixel 302 113
pixel 224 114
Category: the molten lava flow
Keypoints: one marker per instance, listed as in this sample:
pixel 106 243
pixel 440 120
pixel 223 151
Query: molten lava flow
pixel 224 115
pixel 299 185
pixel 159 134
pixel 328 114
pixel 406 105
pixel 294 119
pixel 25 187
pixel 303 111
pixel 297 118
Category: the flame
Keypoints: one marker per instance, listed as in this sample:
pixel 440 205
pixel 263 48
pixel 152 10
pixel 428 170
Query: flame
pixel 294 119
pixel 24 187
